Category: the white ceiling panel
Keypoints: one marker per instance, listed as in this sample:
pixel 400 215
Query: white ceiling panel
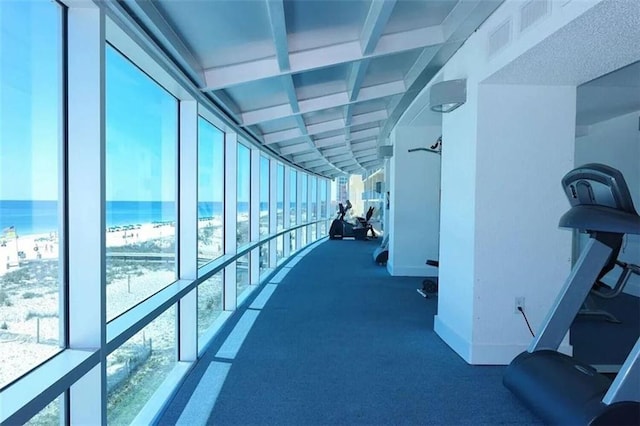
pixel 315 23
pixel 258 94
pixel 221 32
pixel 414 14
pixel 280 125
pixel 310 78
pixel 390 68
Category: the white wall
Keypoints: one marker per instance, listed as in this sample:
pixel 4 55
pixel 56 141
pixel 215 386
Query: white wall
pixel 525 145
pixel 505 150
pixel 415 202
pixel 616 142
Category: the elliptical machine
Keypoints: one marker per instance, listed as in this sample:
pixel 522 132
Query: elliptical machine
pixel 340 228
pixel 557 387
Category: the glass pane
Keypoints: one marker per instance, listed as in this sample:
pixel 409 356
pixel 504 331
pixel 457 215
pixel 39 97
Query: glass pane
pixel 210 192
pixel 49 415
pixel 293 196
pixel 313 198
pixel 243 194
pixel 141 143
pixel 137 368
pixel 323 229
pixel 303 236
pixel 264 196
pixel 264 259
pixel 313 232
pixel 292 241
pixel 209 303
pixel 279 248
pixel 280 198
pixel 323 198
pixel 243 277
pixel 303 197
pixel 30 203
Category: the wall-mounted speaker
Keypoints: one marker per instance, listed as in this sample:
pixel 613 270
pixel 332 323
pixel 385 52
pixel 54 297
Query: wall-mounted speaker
pixel 385 151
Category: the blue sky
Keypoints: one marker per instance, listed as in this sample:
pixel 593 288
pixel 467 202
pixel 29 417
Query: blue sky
pixel 141 119
pixel 30 77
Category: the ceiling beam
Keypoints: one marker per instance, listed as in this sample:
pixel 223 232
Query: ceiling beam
pixel 292 149
pixel 315 163
pixel 341 157
pixel 333 140
pixel 321 57
pixel 275 9
pixel 322 102
pixel 150 18
pixel 306 157
pixel 324 126
pixel 335 151
pixel 374 24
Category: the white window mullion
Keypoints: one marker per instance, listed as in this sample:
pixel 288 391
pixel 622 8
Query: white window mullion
pixel 230 217
pixel 254 217
pixel 299 210
pixel 86 206
pixel 188 229
pixel 286 206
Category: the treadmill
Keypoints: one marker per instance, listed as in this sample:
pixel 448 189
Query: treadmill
pixel 558 388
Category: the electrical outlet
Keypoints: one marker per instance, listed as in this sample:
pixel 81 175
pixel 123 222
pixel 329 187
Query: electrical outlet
pixel 519 303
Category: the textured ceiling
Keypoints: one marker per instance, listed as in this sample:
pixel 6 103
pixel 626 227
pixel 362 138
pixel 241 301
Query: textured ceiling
pixel 321 83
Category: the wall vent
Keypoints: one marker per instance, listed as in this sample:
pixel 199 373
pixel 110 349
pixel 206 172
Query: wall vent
pixel 500 37
pixel 533 11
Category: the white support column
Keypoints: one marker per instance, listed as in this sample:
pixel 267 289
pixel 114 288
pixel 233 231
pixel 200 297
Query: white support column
pixel 86 206
pixel 299 210
pixel 188 229
pixel 416 183
pixel 254 217
pixel 501 200
pixel 230 217
pixel 273 209
pixel 286 211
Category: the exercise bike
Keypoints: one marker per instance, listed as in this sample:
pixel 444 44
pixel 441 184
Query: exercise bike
pixel 340 228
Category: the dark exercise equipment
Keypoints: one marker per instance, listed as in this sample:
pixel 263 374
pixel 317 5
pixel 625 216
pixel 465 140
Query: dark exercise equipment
pixel 601 290
pixel 429 285
pixel 381 254
pixel 340 228
pixel 559 388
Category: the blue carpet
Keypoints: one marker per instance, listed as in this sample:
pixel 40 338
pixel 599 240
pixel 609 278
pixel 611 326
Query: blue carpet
pixel 342 342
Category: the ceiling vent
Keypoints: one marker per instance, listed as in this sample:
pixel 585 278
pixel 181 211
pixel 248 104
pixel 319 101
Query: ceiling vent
pixel 533 11
pixel 500 37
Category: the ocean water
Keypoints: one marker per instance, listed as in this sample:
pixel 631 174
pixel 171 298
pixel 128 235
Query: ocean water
pixel 38 217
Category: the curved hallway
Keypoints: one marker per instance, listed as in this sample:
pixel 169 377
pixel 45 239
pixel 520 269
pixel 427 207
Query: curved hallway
pixel 341 342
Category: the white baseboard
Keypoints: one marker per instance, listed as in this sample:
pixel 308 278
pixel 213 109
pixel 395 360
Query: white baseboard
pixel 411 271
pixel 458 343
pixel 482 354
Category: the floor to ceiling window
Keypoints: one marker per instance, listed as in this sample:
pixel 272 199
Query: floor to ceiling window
pixel 323 206
pixel 313 205
pixel 243 171
pixel 293 207
pixel 141 158
pixel 31 200
pixel 210 191
pixel 264 212
pixel 141 170
pixel 280 211
pixel 210 220
pixel 304 202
